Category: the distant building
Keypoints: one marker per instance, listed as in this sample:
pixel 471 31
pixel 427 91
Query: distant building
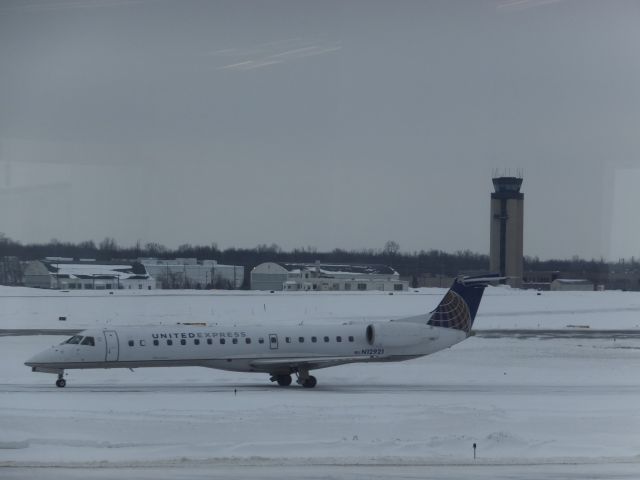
pixel 66 274
pixel 570 284
pixel 192 273
pixel 539 280
pixel 37 275
pixel 617 278
pixel 434 280
pixel 322 276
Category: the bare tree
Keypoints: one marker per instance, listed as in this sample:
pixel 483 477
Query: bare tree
pixel 391 248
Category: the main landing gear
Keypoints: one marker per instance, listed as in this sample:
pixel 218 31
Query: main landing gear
pixel 309 382
pixel 61 382
pixel 283 380
pixel 304 379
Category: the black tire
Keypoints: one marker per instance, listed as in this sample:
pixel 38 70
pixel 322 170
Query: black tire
pixel 310 382
pixel 61 383
pixel 284 380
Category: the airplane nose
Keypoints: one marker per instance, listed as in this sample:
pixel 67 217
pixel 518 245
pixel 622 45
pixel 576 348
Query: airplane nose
pixel 32 361
pixel 38 359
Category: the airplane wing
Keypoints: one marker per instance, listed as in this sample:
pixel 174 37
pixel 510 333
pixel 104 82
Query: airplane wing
pixel 310 363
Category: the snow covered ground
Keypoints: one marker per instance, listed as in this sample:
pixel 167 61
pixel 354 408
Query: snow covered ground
pixel 536 407
pixel 500 307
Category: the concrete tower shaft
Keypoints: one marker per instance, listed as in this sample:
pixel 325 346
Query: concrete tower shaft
pixel 507 222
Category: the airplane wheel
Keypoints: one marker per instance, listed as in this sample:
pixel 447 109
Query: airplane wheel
pixel 310 382
pixel 284 380
pixel 61 383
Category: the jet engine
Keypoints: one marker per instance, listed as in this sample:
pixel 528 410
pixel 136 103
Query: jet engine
pixel 397 334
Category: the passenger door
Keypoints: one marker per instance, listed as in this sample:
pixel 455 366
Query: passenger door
pixel 113 349
pixel 273 341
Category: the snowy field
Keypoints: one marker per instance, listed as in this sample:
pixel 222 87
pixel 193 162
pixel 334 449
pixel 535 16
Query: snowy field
pixel 500 308
pixel 560 408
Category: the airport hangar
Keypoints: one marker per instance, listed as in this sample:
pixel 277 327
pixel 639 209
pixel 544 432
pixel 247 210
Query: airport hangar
pixel 325 276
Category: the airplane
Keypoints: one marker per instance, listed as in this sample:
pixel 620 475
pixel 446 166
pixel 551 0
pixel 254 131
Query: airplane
pixel 277 351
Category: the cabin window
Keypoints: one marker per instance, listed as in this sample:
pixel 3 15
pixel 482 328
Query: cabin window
pixel 287 339
pixel 142 343
pixel 156 343
pixel 247 340
pixel 209 341
pixel 196 341
pixel 131 343
pixel 222 341
pixel 260 340
pixel 89 341
pixel 274 339
pixel 351 338
pixel 300 339
pixel 234 341
pixel 169 342
pixel 74 340
pixel 326 339
pixel 338 339
pixel 314 339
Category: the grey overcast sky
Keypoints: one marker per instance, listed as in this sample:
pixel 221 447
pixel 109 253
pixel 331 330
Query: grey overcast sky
pixel 332 124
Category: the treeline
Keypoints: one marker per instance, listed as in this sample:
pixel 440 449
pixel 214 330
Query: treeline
pixel 576 265
pixel 407 264
pixel 411 265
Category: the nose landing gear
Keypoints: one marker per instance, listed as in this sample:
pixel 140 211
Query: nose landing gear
pixel 61 382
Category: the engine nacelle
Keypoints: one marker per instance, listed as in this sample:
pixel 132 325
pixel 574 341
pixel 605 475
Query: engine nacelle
pixel 397 334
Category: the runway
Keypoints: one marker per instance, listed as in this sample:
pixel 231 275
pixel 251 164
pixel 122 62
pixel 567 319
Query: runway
pixel 185 389
pixel 479 471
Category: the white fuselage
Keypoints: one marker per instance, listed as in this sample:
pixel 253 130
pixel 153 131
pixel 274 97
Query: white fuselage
pixel 246 348
pixel 277 350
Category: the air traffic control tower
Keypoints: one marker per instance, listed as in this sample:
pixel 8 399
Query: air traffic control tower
pixel 507 209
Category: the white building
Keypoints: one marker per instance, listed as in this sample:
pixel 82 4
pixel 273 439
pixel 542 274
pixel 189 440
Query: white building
pixel 322 276
pixel 569 284
pixel 65 274
pixel 191 273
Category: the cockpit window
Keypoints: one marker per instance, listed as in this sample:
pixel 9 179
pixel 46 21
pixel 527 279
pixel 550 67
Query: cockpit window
pixel 74 340
pixel 88 341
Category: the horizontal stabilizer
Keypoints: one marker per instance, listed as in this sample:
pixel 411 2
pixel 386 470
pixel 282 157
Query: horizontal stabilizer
pixel 481 279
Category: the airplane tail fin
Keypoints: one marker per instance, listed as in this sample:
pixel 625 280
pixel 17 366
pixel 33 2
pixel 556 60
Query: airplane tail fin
pixel 459 306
